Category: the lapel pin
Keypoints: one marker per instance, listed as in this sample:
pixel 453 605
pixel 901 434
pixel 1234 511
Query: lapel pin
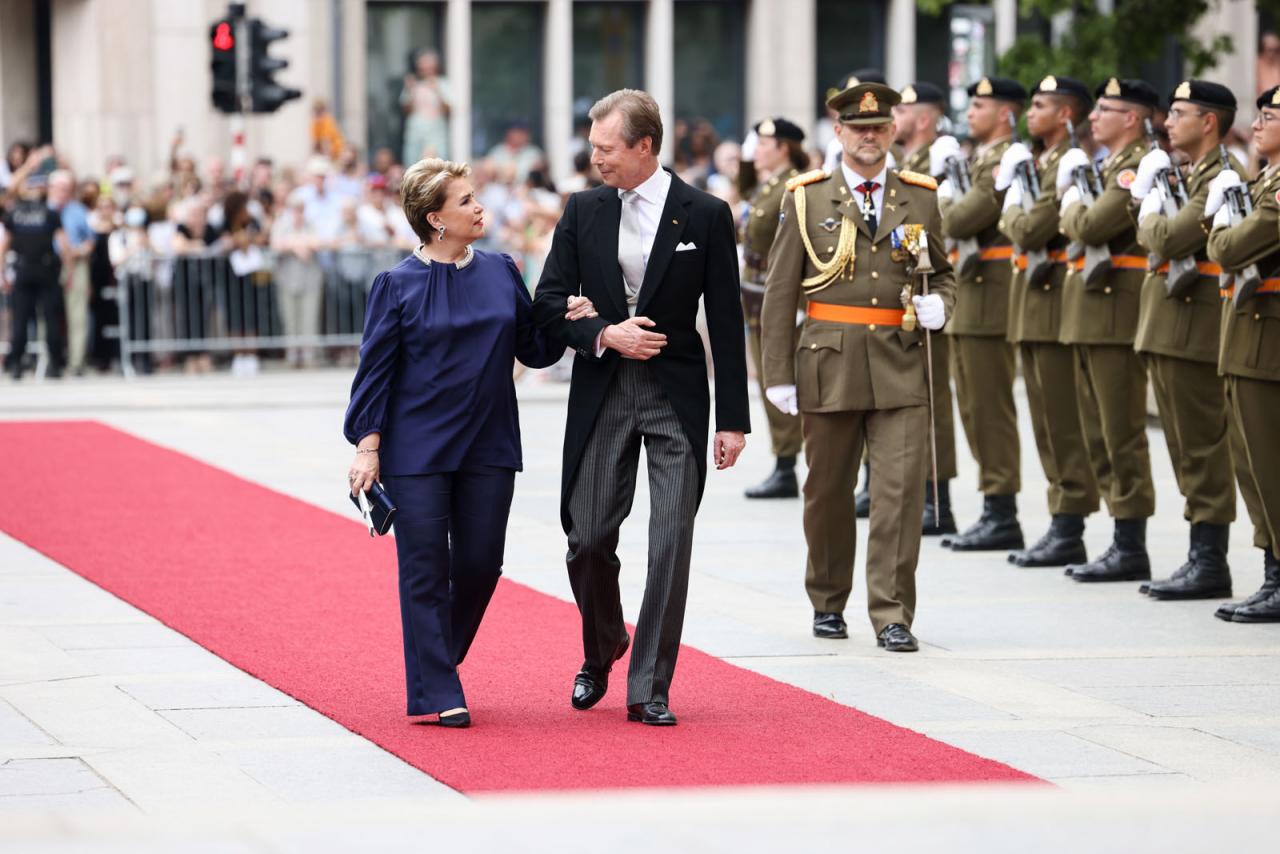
pixel 893 193
pixel 675 222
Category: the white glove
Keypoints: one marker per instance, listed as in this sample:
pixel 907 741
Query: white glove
pixel 1013 155
pixel 1152 204
pixel 1152 162
pixel 1074 159
pixel 930 311
pixel 946 191
pixel 942 148
pixel 1069 198
pixel 749 145
pixel 1217 189
pixel 1012 198
pixel 1222 218
pixel 783 398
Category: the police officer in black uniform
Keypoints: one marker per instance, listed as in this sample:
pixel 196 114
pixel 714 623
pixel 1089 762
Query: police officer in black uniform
pixel 34 232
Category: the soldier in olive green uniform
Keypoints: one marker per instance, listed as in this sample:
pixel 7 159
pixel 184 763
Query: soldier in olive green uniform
pixel 774 146
pixel 984 362
pixel 916 117
pixel 845 253
pixel 1065 429
pixel 1100 320
pixel 1250 352
pixel 1178 336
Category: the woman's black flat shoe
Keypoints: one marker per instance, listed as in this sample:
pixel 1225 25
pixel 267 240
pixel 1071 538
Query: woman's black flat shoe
pixel 458 720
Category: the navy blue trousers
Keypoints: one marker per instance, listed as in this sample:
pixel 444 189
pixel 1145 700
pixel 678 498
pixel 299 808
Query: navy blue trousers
pixel 450 530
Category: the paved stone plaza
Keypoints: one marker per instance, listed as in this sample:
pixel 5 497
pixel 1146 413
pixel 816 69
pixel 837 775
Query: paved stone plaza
pixel 1159 725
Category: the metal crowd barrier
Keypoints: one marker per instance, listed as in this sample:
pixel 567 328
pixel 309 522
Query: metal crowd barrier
pixel 210 303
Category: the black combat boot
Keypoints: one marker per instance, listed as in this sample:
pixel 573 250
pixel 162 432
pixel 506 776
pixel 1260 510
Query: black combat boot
pixel 1062 544
pixel 1125 560
pixel 1266 593
pixel 780 484
pixel 937 520
pixel 862 501
pixel 1145 587
pixel 997 530
pixel 1209 577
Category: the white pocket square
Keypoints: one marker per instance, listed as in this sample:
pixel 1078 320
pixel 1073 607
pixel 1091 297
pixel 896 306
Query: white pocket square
pixel 685 247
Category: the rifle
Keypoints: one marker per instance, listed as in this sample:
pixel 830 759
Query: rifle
pixel 1183 273
pixel 967 250
pixel 1097 259
pixel 1039 266
pixel 1248 280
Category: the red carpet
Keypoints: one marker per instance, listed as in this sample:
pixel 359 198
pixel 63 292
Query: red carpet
pixel 304 600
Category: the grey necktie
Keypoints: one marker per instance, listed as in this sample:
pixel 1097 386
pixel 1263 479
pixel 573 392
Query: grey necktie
pixel 631 248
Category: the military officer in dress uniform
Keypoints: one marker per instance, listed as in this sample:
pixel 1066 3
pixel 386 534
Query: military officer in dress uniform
pixel 1100 321
pixel 983 360
pixel 772 154
pixel 846 253
pixel 1178 335
pixel 1250 352
pixel 916 117
pixel 1035 310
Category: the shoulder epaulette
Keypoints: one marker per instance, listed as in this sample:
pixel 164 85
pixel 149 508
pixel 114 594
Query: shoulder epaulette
pixel 807 178
pixel 917 179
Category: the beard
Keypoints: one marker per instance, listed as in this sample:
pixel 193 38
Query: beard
pixel 868 155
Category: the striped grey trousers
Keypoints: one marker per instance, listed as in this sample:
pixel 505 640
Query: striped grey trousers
pixel 635 411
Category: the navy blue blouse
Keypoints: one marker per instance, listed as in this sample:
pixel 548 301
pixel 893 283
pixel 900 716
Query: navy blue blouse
pixel 435 365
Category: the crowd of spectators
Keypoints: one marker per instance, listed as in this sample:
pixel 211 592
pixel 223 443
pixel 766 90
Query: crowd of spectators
pixel 291 246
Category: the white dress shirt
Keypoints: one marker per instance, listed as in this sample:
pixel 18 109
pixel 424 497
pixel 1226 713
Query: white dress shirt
pixel 854 180
pixel 651 198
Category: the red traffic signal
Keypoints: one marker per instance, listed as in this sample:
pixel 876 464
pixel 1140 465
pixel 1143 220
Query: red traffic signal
pixel 222 37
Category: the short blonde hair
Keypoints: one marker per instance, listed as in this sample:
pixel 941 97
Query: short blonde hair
pixel 424 187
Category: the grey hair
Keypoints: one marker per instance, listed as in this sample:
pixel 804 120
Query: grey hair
pixel 640 115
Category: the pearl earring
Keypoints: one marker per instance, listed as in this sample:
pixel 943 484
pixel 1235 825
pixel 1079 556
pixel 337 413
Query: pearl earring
pixel 440 231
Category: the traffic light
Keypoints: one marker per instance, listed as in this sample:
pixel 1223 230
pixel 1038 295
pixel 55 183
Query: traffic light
pixel 266 94
pixel 222 38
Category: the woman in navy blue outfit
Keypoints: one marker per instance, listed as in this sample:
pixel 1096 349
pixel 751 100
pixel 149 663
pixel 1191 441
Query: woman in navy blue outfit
pixel 433 417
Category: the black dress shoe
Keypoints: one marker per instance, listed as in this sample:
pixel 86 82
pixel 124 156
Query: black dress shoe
pixel 896 637
pixel 997 530
pixel 1206 575
pixel 862 499
pixel 937 521
pixel 1126 560
pixel 652 714
pixel 1062 544
pixel 1270 584
pixel 457 720
pixel 781 484
pixel 591 683
pixel 829 625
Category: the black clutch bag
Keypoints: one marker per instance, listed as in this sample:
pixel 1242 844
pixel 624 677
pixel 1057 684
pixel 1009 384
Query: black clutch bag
pixel 377 509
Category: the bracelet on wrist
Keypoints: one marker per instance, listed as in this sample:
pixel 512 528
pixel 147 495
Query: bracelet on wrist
pixel 366 450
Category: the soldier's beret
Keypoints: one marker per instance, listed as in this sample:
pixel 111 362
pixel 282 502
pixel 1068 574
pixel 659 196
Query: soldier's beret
pixel 1053 85
pixel 865 104
pixel 1138 92
pixel 1205 93
pixel 1001 88
pixel 1269 98
pixel 779 128
pixel 924 93
pixel 853 78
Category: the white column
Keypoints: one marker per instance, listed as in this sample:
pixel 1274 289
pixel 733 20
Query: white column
pixel 1006 15
pixel 786 84
pixel 557 87
pixel 457 46
pixel 659 65
pixel 1235 70
pixel 900 43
